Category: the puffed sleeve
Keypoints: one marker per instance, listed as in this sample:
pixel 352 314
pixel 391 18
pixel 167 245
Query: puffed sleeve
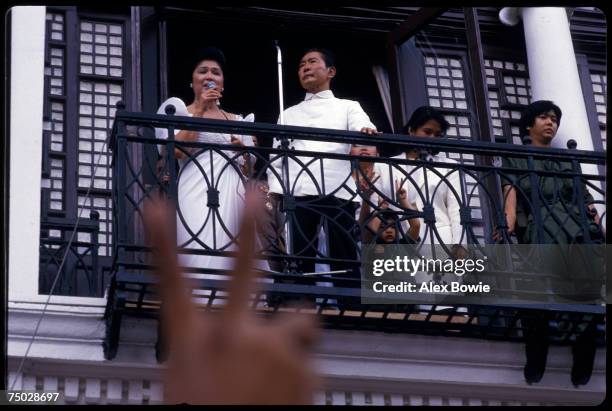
pixel 357 118
pixel 180 110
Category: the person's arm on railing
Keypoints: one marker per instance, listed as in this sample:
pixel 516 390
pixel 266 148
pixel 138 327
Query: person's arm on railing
pixel 595 215
pixel 358 120
pixel 367 233
pixel 373 226
pixel 508 181
pixel 366 184
pixel 510 207
pixel 402 196
pixel 592 211
pixel 366 187
pixel 589 201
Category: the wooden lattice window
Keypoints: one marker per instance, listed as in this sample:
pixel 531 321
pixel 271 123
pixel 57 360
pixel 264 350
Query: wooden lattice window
pixel 600 86
pixel 509 92
pixel 85 75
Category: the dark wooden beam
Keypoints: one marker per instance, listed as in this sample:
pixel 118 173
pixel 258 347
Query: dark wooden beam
pixel 150 55
pixel 395 87
pixel 477 72
pixel 396 37
pixel 415 23
pixel 483 113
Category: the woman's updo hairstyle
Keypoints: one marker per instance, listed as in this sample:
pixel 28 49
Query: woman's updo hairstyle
pixel 211 53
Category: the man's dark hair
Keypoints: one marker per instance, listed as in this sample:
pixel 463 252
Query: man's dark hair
pixel 211 53
pixel 535 109
pixel 328 56
pixel 422 115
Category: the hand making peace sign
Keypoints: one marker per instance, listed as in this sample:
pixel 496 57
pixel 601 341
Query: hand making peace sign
pixel 234 356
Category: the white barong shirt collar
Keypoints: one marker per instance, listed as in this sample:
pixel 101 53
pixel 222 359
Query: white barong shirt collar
pixel 308 176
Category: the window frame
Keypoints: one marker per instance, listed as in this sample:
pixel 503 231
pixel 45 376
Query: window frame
pixel 72 79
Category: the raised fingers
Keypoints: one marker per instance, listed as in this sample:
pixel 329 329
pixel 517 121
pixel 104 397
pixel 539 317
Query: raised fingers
pixel 178 311
pixel 399 184
pixel 242 283
pixel 382 203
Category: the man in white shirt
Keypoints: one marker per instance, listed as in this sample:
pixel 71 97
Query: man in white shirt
pixel 324 190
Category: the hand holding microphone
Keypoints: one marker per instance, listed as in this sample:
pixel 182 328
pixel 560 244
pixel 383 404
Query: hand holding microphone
pixel 209 92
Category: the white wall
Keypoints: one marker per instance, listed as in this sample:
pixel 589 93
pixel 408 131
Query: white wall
pixel 26 108
pixel 409 369
pixel 27 98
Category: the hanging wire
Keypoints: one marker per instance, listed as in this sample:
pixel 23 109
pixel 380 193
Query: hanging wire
pixel 57 275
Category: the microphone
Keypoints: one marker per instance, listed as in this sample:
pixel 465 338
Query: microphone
pixel 211 85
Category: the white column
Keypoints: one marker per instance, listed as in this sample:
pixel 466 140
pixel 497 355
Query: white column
pixel 553 72
pixel 26 108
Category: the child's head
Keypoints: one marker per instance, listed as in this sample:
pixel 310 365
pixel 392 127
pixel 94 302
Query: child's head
pixel 388 233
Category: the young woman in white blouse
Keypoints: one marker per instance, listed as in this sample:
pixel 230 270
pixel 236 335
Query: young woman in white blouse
pixel 439 187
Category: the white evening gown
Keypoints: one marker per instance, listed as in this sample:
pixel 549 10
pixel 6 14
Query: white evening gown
pixel 198 225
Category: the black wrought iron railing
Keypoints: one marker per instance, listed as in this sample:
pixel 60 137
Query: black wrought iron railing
pixel 348 202
pixel 69 260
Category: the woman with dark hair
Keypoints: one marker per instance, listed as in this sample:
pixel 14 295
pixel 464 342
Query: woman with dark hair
pixel 203 221
pixel 428 122
pixel 559 213
pixel 535 110
pixel 558 210
pixel 425 186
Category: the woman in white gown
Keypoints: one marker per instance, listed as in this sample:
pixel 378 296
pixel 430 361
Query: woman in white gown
pixel 210 182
